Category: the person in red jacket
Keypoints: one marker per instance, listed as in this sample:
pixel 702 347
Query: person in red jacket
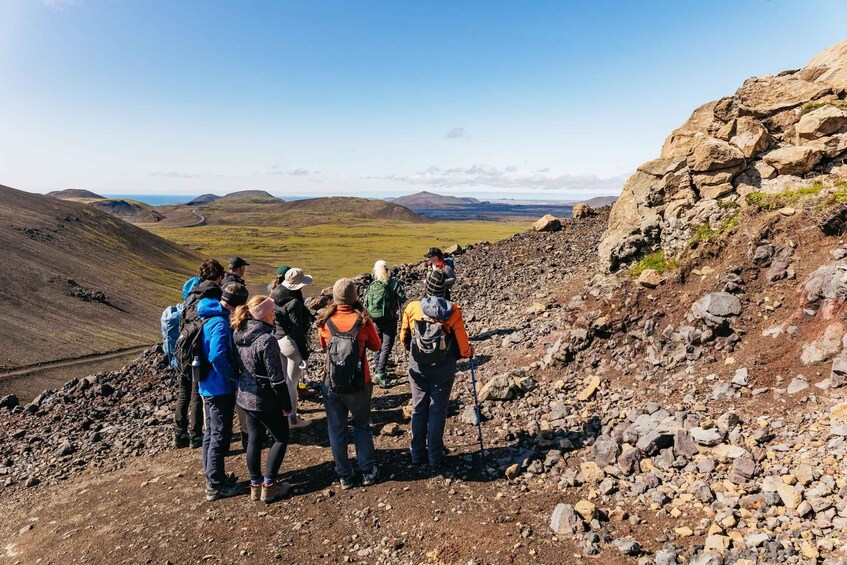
pixel 344 323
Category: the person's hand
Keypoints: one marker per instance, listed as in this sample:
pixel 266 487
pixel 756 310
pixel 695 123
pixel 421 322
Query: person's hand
pixel 288 413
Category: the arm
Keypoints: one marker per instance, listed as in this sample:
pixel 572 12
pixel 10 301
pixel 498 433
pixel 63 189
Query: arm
pixel 323 335
pixel 460 333
pixel 401 293
pixel 273 365
pixel 372 341
pixel 450 275
pixel 406 329
pixel 219 339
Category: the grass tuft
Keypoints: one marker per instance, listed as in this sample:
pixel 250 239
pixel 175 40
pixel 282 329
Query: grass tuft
pixel 764 201
pixel 655 261
pixel 808 107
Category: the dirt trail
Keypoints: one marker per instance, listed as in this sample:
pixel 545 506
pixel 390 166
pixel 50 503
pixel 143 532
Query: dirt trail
pixel 154 511
pixel 63 363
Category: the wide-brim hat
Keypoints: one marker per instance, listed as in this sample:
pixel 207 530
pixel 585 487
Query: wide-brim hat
pixel 295 279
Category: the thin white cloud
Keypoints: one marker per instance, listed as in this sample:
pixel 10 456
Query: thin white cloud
pixel 510 178
pixel 299 172
pixel 456 133
pixel 174 174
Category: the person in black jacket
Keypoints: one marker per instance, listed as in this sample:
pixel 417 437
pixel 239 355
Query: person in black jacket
pixel 237 268
pixel 262 395
pixel 292 323
pixel 188 411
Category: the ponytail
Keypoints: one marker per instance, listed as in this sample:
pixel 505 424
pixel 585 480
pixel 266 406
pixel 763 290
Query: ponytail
pixel 239 318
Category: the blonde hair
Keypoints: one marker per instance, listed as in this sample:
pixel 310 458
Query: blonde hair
pixel 381 271
pixel 242 313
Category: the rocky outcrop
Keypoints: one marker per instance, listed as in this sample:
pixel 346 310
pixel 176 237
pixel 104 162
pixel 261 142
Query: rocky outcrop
pixel 774 130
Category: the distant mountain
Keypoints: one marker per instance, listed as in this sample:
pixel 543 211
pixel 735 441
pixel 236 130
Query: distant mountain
pixel 126 209
pixel 74 194
pixel 600 201
pixel 84 281
pixel 252 196
pixel 431 201
pixel 355 207
pixel 203 199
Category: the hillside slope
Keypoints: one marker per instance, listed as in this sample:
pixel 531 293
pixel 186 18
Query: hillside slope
pixel 429 200
pixel 80 281
pixel 74 194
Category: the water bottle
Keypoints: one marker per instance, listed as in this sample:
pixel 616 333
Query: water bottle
pixel 195 368
pixel 302 384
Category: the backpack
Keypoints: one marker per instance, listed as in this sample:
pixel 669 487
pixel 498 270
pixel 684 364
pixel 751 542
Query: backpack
pixel 452 262
pixel 378 300
pixel 344 371
pixel 189 346
pixel 383 299
pixel 170 330
pixel 432 343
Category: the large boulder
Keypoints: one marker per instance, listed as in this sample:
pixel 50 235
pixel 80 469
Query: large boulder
pixel 821 122
pixel 547 223
pixel 582 210
pixel 711 154
pixel 828 282
pixel 750 137
pixel 717 308
pixel 793 159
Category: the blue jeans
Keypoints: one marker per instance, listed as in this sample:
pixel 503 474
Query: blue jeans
pixel 217 437
pixel 430 397
pixel 386 330
pixel 358 405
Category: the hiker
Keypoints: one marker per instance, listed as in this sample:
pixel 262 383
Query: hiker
pixel 438 263
pixel 188 411
pixel 345 332
pixel 433 332
pixel 218 386
pixel 262 395
pixel 279 276
pixel 292 323
pixel 235 273
pixel 383 299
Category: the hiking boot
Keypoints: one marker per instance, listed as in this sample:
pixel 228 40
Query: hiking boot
pixel 196 442
pixel 298 423
pixel 255 492
pixel 181 440
pixel 226 491
pixel 369 479
pixel 381 380
pixel 274 491
pixel 347 482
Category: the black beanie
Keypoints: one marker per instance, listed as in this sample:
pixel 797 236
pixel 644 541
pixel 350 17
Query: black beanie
pixel 235 294
pixel 435 285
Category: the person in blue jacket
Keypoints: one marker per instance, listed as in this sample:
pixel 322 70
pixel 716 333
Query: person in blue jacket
pixel 218 387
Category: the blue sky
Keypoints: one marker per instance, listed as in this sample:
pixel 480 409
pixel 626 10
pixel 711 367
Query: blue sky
pixel 536 99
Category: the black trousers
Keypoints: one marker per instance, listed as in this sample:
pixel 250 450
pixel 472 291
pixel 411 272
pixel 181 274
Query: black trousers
pixel 188 413
pixel 386 329
pixel 277 425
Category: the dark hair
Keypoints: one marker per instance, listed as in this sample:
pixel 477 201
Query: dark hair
pixel 333 308
pixel 211 270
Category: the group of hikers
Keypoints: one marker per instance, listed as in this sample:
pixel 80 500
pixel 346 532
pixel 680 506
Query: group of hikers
pixel 239 355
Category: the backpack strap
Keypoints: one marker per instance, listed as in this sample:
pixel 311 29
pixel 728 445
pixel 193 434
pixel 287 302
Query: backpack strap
pixel 354 331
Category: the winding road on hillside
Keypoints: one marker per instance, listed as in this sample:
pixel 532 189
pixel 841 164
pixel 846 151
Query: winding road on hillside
pixel 200 222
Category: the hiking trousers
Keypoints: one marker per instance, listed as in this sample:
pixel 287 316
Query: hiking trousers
pixel 274 422
pixel 291 359
pixel 217 436
pixel 358 406
pixel 188 413
pixel 386 329
pixel 430 398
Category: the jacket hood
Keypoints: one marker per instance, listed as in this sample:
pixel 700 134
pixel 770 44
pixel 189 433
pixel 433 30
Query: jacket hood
pixel 437 308
pixel 207 289
pixel 252 330
pixel 209 307
pixel 281 295
pixel 189 286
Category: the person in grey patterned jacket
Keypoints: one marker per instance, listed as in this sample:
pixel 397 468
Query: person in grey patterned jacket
pixel 262 394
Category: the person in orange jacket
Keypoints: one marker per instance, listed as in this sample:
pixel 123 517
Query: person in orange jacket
pixel 346 331
pixel 433 332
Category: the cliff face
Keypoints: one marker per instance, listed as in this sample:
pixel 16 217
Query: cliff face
pixel 774 132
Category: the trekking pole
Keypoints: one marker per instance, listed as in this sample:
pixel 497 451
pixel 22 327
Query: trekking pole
pixel 476 403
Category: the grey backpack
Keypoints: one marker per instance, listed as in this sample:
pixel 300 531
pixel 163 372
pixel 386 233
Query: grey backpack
pixel 432 343
pixel 344 371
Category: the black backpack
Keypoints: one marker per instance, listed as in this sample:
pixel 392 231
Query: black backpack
pixel 189 347
pixel 344 371
pixel 432 344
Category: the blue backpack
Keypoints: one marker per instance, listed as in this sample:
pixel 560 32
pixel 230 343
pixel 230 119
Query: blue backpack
pixel 170 331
